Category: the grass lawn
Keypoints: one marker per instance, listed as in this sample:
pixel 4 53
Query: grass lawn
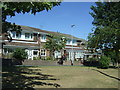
pixel 60 77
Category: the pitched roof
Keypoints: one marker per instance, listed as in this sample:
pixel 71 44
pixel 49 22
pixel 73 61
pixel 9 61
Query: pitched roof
pixel 50 32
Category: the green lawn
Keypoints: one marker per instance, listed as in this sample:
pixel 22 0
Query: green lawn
pixel 60 77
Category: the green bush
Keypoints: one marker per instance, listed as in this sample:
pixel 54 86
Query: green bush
pixel 49 58
pixel 104 62
pixel 20 54
pixel 91 62
pixel 92 59
pixel 43 58
pixel 36 58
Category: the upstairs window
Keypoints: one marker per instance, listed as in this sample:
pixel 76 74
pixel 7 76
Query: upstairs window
pixel 18 35
pixel 43 37
pixel 68 41
pixel 35 36
pixel 78 44
pixel 13 34
pixel 74 41
pixel 27 35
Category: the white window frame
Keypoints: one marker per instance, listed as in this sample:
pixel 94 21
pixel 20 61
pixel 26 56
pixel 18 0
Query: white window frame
pixel 41 52
pixel 43 37
pixel 19 35
pixel 68 41
pixel 28 35
pixel 35 51
pixel 13 34
pixel 73 41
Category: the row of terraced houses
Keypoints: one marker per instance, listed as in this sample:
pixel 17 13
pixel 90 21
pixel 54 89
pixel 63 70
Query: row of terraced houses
pixel 33 39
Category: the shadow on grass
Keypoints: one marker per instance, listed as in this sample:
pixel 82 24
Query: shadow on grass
pixel 107 75
pixel 14 77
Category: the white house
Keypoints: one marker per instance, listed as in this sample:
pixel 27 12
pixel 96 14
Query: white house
pixel 32 40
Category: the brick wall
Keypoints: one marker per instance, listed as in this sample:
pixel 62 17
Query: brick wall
pixel 42 62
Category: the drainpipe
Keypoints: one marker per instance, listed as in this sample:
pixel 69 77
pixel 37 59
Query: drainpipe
pixel 72 59
pixel 39 42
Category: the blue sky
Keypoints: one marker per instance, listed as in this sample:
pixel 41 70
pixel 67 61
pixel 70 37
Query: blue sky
pixel 60 19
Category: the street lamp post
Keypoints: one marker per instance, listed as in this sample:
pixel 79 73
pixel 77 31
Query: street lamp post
pixel 72 58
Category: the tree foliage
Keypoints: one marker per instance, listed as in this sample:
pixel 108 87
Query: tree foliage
pixel 55 43
pixel 104 62
pixel 11 8
pixel 106 34
pixel 19 54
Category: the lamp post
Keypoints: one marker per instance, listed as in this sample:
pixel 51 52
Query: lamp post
pixel 72 58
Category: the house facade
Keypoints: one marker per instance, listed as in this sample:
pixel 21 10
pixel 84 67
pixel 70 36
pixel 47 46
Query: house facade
pixel 32 41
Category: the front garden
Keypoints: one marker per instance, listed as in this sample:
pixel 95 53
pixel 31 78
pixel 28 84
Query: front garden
pixel 59 77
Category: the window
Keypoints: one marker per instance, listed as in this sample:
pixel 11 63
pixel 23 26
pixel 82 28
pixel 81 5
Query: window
pixel 43 37
pixel 68 41
pixel 74 41
pixel 35 36
pixel 18 35
pixel 43 52
pixel 13 34
pixel 27 35
pixel 35 52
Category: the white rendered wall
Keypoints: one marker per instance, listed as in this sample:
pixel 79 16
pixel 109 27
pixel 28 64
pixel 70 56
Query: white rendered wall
pixel 23 35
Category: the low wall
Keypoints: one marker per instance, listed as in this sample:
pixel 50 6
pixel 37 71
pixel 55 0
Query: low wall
pixel 39 62
pixel 42 62
pixel 9 62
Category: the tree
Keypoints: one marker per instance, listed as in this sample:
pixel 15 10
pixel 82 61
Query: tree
pixel 106 34
pixel 104 62
pixel 54 43
pixel 19 55
pixel 11 8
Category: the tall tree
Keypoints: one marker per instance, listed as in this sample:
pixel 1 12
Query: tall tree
pixel 106 35
pixel 11 8
pixel 55 43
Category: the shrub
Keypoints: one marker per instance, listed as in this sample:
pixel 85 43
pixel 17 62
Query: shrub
pixel 91 63
pixel 38 58
pixel 49 58
pixel 34 58
pixel 104 62
pixel 43 58
pixel 19 55
pixel 92 59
